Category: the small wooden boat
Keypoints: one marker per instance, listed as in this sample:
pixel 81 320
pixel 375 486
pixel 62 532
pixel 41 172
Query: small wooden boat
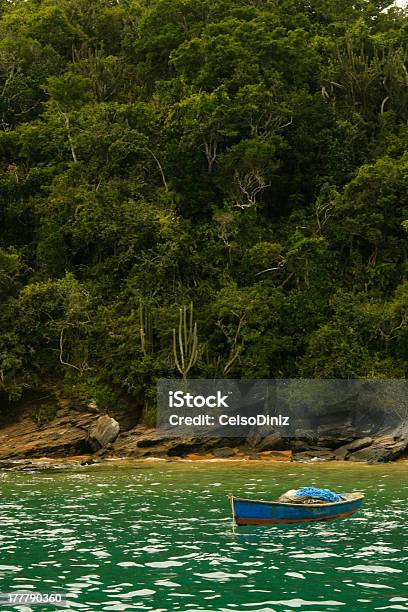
pixel 251 512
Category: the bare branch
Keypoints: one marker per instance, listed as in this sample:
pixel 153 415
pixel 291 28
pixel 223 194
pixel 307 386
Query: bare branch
pixel 250 185
pixel 160 168
pixel 286 124
pixel 267 270
pixel 68 128
pixel 61 343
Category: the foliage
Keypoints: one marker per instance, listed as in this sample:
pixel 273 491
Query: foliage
pixel 43 414
pixel 246 158
pixel 149 416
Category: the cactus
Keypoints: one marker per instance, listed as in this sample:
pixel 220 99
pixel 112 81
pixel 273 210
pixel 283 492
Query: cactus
pixel 145 328
pixel 185 342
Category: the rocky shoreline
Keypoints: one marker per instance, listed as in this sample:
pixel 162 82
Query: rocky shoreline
pixel 87 436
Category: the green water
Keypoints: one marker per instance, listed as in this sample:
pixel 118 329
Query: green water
pixel 157 536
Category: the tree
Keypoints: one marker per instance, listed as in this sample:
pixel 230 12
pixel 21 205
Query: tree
pixel 247 158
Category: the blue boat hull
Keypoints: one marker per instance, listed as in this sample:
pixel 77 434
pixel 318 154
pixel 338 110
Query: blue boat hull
pixel 249 512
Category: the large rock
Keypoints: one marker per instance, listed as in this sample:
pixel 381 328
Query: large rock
pixel 384 448
pixel 334 441
pixel 358 444
pixel 142 442
pixel 104 431
pixel 272 442
pixel 64 435
pixel 343 451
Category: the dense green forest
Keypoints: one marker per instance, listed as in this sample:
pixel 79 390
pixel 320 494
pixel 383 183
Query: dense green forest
pixel 201 188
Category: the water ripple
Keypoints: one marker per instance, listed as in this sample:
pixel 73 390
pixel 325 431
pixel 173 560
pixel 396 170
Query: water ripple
pixel 158 537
